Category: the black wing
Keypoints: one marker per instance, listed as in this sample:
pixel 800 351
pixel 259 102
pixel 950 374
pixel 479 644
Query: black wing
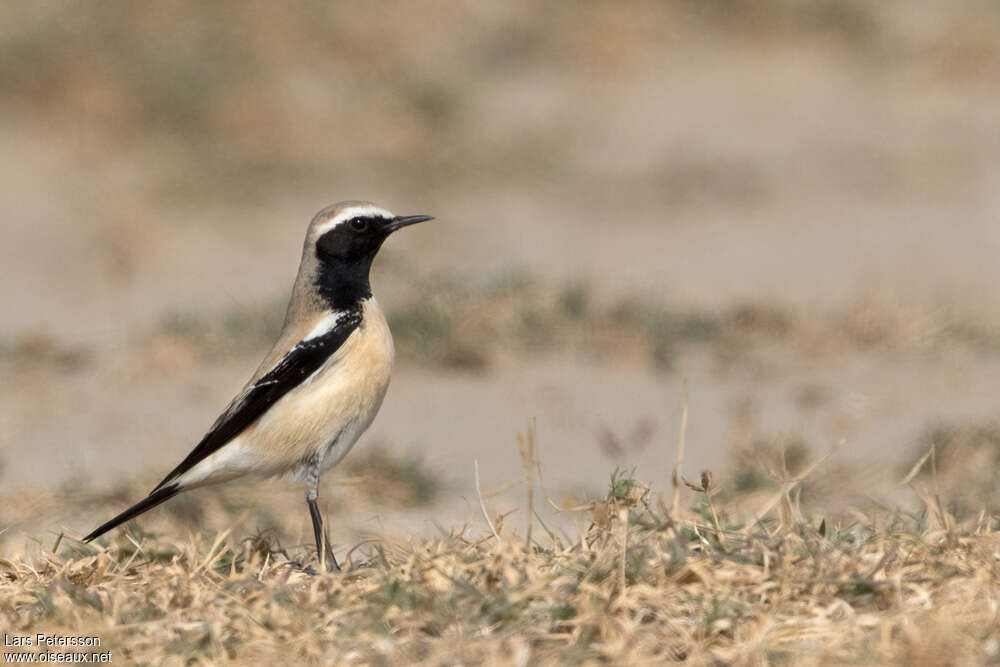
pixel 301 361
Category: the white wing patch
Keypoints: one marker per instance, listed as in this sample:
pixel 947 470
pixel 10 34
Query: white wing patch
pixel 324 326
pixel 329 321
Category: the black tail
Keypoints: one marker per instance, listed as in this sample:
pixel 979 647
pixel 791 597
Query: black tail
pixel 148 503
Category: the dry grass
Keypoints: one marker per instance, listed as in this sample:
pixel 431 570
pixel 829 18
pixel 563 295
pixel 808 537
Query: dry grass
pixel 229 104
pixel 636 585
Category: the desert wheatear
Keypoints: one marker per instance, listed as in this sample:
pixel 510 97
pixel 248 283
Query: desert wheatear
pixel 321 384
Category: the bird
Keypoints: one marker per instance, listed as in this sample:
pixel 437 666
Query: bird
pixel 319 387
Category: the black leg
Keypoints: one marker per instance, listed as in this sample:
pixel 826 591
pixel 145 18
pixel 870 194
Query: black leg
pixel 322 543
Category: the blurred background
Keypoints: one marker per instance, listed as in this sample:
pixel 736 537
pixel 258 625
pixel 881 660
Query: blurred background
pixel 791 206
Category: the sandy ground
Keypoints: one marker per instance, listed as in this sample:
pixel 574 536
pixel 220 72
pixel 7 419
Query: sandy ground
pixel 697 172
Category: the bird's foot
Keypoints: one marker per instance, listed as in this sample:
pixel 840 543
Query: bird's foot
pixel 299 567
pixel 331 566
pixel 331 563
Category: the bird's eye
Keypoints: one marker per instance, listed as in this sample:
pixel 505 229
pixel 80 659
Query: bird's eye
pixel 359 224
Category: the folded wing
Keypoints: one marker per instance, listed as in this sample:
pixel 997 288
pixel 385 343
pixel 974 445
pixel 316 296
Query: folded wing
pixel 293 369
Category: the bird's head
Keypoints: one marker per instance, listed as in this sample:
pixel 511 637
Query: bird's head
pixel 342 241
pixel 353 232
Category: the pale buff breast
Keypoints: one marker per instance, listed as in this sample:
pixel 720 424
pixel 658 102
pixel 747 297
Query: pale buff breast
pixel 328 413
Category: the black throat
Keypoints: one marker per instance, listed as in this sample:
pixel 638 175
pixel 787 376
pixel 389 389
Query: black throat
pixel 344 283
